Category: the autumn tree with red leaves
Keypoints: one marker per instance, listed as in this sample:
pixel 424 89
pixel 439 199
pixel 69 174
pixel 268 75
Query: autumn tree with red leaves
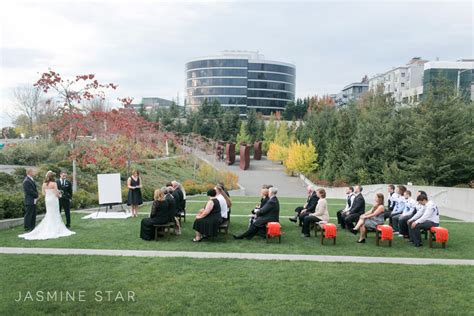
pixel 70 122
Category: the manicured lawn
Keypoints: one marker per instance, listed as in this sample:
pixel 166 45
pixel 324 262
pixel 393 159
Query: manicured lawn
pixel 124 234
pixel 219 286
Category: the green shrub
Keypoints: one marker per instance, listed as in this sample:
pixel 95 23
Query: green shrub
pixel 7 180
pixel 83 199
pixel 60 152
pixel 193 188
pixel 12 205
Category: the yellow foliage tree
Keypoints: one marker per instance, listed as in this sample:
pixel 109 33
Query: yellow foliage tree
pixel 301 158
pixel 277 152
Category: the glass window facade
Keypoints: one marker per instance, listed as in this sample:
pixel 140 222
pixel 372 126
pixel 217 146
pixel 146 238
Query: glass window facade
pixel 216 91
pixel 271 94
pixel 216 82
pixel 222 100
pixel 266 86
pixel 272 67
pixel 271 85
pixel 271 76
pixel 209 63
pixel 216 72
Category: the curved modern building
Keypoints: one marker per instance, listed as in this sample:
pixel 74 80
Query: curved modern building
pixel 240 79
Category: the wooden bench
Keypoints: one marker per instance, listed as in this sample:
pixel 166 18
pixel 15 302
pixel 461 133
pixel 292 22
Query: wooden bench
pixel 378 236
pixel 182 215
pixel 319 227
pixel 273 229
pixel 166 228
pixel 224 227
pixel 432 236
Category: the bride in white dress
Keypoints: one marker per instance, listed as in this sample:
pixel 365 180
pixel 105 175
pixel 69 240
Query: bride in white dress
pixel 52 225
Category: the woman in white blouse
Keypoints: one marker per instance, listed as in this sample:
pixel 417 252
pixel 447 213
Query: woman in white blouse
pixel 320 213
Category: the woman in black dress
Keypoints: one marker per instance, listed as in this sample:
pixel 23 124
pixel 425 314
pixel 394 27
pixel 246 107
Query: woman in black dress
pixel 134 192
pixel 208 218
pixel 160 214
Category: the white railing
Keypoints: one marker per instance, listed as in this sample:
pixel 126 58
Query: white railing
pixel 453 202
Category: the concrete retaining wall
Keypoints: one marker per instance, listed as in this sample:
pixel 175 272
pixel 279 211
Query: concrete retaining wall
pixel 453 202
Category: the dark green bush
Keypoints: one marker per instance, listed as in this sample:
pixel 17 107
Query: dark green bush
pixel 7 180
pixel 83 199
pixel 12 205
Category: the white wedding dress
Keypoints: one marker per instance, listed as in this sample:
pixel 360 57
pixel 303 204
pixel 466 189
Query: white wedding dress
pixel 52 225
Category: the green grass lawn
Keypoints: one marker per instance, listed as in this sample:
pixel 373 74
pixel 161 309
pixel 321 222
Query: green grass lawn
pixel 124 234
pixel 176 286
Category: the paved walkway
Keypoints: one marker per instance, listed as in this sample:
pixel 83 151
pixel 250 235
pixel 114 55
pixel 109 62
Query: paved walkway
pixel 261 172
pixel 232 255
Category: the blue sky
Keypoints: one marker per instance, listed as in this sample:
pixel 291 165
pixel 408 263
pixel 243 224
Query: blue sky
pixel 143 45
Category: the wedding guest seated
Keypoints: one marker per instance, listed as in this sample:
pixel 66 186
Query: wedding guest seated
pixel 160 214
pixel 349 200
pixel 221 184
pixel 407 213
pixel 172 206
pixel 320 214
pixel 208 218
pixel 270 212
pixel 406 221
pixel 390 201
pixel 302 211
pixel 263 200
pixel 224 202
pixel 356 210
pixel 430 218
pixel 370 219
pixel 178 196
pixel 399 206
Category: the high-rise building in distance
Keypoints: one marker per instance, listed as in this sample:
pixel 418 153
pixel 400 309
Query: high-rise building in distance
pixel 240 79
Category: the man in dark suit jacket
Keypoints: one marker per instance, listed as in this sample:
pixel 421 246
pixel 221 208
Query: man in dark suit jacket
pixel 356 210
pixel 308 208
pixel 171 202
pixel 270 212
pixel 65 187
pixel 178 197
pixel 31 197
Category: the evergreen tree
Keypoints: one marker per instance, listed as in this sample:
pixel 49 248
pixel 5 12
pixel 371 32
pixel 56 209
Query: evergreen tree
pixel 444 140
pixel 269 134
pixel 251 126
pixel 282 138
pixel 340 147
pixel 174 110
pixel 373 143
pixel 243 137
pixel 260 130
pixel 319 126
pixel 230 124
pixel 290 111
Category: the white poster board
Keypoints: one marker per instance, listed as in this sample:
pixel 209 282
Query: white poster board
pixel 110 188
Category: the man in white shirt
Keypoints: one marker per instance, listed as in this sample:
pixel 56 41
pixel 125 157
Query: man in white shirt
pixel 349 200
pixel 406 214
pixel 429 218
pixel 416 211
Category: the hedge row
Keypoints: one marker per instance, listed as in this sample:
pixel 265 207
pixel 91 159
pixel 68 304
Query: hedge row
pixel 12 206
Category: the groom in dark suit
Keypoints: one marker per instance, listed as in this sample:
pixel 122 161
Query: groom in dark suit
pixel 31 197
pixel 65 187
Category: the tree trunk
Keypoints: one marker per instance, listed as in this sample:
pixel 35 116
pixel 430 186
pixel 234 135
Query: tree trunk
pixel 74 176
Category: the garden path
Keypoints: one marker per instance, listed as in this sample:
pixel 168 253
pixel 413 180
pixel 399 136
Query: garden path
pixel 261 172
pixel 232 255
